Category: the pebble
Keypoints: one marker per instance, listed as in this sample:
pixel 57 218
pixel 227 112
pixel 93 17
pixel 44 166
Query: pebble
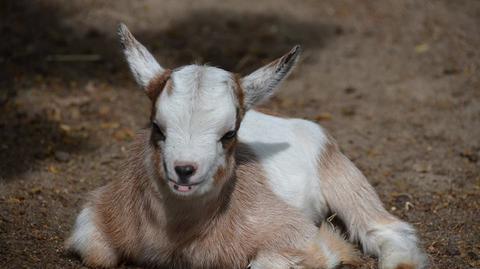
pixel 62 156
pixel 422 167
pixel 451 248
pixel 402 200
pixel 350 90
pixel 473 255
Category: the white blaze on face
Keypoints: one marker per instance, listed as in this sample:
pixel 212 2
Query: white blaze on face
pixel 195 114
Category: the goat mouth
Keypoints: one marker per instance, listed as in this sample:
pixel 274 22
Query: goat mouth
pixel 183 188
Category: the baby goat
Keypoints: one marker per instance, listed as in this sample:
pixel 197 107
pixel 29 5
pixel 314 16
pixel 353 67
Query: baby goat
pixel 216 184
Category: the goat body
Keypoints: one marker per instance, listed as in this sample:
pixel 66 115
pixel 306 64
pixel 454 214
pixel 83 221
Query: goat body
pixel 215 184
pixel 137 219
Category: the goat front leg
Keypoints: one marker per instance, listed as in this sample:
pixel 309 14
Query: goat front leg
pixel 88 242
pixel 325 250
pixel 349 194
pixel 273 260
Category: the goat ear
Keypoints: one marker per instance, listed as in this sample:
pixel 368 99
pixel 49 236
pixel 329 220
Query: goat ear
pixel 261 84
pixel 143 65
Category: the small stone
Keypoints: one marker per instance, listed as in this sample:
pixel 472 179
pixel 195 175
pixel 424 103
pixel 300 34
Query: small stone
pixel 35 190
pixel 62 156
pixel 473 255
pixel 422 167
pixel 110 125
pixel 451 71
pixel 66 128
pixel 323 117
pixel 53 169
pixel 339 30
pixel 348 111
pixel 403 201
pixel 422 48
pixel 104 110
pixel 469 155
pixel 350 90
pixel 451 248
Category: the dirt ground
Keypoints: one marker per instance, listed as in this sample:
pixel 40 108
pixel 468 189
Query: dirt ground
pixel 397 83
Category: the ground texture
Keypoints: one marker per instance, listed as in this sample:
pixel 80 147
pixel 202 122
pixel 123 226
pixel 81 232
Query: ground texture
pixel 397 83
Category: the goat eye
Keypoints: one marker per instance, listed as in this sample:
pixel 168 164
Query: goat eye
pixel 157 134
pixel 229 135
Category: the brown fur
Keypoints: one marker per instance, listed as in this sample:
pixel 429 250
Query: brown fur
pixel 219 175
pixel 146 223
pixel 239 94
pixel 339 177
pixel 139 219
pixel 156 86
pixel 405 266
pixel 313 256
pixel 269 112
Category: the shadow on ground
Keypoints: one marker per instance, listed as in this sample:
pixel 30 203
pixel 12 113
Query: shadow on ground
pixel 25 139
pixel 235 41
pixel 38 39
pixel 38 46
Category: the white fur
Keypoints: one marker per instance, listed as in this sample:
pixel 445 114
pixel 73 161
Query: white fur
pixel 195 115
pixel 86 238
pixel 143 65
pixel 288 150
pixel 273 260
pixel 263 82
pixel 397 244
pixel 84 230
pixel 332 259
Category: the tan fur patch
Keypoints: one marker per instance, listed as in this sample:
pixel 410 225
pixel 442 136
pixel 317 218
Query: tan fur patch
pixel 405 266
pixel 314 255
pixel 345 251
pixel 219 175
pixel 155 88
pixel 344 185
pixel 268 112
pixel 96 257
pixel 157 84
pixel 240 95
pixel 144 221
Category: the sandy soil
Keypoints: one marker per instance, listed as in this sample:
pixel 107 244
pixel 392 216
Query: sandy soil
pixel 396 82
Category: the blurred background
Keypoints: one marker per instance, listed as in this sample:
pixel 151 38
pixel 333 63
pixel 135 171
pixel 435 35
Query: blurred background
pixel 396 82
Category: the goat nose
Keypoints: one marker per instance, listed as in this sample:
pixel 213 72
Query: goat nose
pixel 184 171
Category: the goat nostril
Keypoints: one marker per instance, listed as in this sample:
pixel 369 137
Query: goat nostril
pixel 184 171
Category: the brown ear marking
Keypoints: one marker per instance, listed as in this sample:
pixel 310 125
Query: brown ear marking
pixel 157 84
pixel 269 112
pixel 155 88
pixel 240 94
